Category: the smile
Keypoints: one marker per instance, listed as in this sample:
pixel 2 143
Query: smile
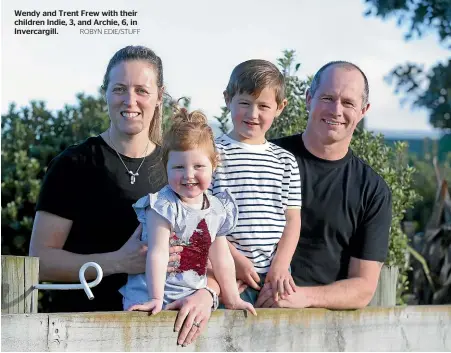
pixel 251 123
pixel 331 122
pixel 190 184
pixel 130 115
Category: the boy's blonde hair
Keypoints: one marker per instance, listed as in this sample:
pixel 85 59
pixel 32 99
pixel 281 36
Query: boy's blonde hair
pixel 253 76
pixel 189 131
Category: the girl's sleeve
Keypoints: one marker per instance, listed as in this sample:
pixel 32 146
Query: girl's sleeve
pixel 160 203
pixel 229 212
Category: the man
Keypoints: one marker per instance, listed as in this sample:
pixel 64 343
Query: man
pixel 346 211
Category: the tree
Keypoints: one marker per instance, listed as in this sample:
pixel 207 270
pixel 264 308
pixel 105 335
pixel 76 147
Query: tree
pixel 427 89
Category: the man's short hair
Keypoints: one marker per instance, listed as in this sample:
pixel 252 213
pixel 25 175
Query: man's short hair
pixel 345 64
pixel 253 76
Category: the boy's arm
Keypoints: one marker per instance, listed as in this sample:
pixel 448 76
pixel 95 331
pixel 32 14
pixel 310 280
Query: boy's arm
pixel 245 269
pixel 278 275
pixel 289 240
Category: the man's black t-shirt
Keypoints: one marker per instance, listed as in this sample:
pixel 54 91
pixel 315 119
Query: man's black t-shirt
pixel 346 212
pixel 88 184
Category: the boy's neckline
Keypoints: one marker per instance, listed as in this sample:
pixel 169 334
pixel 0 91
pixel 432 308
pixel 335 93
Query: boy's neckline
pixel 255 148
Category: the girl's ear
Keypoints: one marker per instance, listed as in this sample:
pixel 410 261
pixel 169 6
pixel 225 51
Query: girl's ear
pixel 217 160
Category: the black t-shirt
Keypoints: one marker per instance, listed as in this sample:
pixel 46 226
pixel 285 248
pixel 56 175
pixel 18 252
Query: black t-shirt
pixel 88 184
pixel 346 212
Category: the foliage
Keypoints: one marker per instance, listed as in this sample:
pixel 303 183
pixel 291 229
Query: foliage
pixel 425 181
pixel 293 118
pixel 223 120
pixel 430 90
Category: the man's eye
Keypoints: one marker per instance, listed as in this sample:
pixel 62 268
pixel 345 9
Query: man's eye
pixel 327 99
pixel 244 103
pixel 118 89
pixel 142 91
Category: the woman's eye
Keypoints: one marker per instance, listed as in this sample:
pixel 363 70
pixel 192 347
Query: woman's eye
pixel 118 89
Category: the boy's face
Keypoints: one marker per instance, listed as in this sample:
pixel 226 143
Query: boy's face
pixel 253 116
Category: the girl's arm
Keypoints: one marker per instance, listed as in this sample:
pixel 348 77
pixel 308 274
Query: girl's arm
pixel 224 270
pixel 158 230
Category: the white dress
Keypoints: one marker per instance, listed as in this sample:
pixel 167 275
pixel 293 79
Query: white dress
pixel 195 230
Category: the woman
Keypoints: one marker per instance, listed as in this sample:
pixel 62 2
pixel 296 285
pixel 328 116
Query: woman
pixel 84 212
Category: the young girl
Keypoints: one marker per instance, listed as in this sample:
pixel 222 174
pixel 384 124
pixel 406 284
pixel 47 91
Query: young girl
pixel 199 222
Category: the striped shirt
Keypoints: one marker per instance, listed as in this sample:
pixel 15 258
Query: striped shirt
pixel 264 180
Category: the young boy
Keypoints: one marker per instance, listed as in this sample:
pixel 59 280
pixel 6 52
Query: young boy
pixel 263 178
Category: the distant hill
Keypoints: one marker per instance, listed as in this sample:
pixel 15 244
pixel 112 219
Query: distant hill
pixel 421 143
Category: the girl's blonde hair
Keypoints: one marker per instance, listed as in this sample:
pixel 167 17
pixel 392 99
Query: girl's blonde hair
pixel 189 131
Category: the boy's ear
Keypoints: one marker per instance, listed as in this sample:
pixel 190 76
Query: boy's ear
pixel 226 99
pixel 281 107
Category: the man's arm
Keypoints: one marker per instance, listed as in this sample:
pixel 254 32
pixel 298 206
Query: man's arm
pixel 355 292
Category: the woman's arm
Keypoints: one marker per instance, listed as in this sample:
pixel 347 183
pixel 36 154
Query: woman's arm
pixel 48 237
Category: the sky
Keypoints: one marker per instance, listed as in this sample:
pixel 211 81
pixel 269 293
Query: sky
pixel 201 41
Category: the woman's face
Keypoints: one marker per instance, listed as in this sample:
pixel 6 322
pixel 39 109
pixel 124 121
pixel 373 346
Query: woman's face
pixel 132 95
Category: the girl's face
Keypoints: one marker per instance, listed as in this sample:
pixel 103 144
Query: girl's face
pixel 132 95
pixel 189 174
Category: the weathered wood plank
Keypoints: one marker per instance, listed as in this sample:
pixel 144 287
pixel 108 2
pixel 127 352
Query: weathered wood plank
pixel 24 333
pixel 385 294
pixel 19 275
pixel 411 328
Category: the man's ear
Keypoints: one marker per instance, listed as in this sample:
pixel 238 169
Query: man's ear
pixel 281 107
pixel 308 99
pixel 365 109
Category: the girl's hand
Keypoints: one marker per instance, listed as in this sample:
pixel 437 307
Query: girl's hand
pixel 282 283
pixel 240 304
pixel 154 306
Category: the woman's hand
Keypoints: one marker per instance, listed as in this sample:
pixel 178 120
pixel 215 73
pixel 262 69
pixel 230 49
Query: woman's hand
pixel 192 319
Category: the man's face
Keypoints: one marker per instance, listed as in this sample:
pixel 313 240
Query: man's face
pixel 337 106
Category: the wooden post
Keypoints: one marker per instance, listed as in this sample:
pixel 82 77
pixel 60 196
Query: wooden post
pixel 19 275
pixel 385 294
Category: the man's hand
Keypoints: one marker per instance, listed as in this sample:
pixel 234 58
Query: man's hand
pixel 245 271
pixel 281 282
pixel 297 300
